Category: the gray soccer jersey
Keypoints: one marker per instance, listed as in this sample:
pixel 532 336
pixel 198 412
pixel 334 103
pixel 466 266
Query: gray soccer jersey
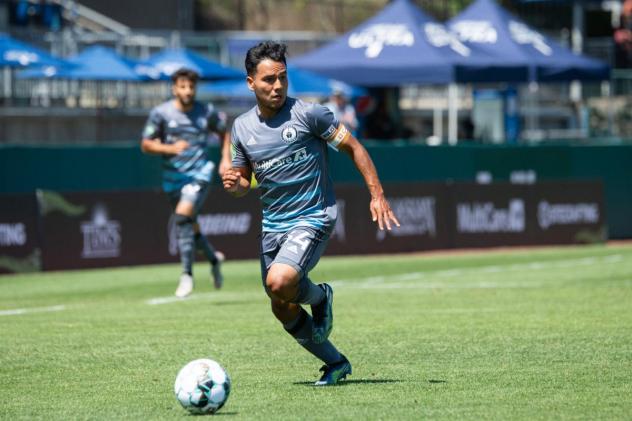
pixel 288 155
pixel 169 124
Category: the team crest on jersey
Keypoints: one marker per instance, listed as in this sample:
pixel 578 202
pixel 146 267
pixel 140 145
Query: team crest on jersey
pixel 289 134
pixel 201 122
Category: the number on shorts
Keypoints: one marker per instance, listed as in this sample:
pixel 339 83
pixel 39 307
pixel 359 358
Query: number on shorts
pixel 301 239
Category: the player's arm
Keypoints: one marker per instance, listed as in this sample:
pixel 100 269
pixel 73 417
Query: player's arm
pixel 338 137
pixel 156 147
pixel 218 122
pixel 153 133
pixel 237 180
pixel 225 161
pixel 379 206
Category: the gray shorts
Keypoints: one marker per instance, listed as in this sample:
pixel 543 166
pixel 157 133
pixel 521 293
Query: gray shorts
pixel 194 192
pixel 301 248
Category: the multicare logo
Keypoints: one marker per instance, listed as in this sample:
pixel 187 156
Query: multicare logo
pixel 296 156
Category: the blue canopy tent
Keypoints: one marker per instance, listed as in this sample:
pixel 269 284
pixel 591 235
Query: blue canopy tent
pixel 170 60
pixel 400 45
pixel 17 54
pixel 93 63
pixel 301 83
pixel 14 53
pixel 98 64
pixel 389 49
pixel 487 26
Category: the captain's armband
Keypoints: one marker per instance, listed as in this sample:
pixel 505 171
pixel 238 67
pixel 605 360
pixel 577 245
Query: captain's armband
pixel 336 136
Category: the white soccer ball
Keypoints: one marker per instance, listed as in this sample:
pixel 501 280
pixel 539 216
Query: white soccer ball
pixel 202 386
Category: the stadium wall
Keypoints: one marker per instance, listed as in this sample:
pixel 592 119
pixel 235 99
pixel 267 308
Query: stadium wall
pixel 123 167
pixel 57 231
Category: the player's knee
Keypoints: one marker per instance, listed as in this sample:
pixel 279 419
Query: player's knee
pixel 275 283
pixel 278 285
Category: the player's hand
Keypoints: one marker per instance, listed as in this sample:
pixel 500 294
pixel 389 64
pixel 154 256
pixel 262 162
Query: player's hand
pixel 224 164
pixel 230 179
pixel 178 146
pixel 382 213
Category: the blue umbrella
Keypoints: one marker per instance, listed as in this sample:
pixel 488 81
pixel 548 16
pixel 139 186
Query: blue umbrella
pixel 167 61
pixel 93 63
pixel 301 83
pixel 487 26
pixel 14 53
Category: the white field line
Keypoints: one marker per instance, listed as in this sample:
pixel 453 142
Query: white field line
pixel 19 311
pixel 207 296
pixel 405 280
pixel 400 280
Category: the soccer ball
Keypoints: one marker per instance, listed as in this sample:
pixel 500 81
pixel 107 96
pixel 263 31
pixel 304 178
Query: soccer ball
pixel 202 386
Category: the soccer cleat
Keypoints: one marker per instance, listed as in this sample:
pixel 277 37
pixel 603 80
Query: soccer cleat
pixel 185 286
pixel 216 270
pixel 333 373
pixel 323 316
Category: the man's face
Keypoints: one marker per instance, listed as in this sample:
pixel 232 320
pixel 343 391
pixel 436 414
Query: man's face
pixel 269 83
pixel 184 91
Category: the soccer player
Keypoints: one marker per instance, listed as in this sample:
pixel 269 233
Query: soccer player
pixel 283 141
pixel 179 131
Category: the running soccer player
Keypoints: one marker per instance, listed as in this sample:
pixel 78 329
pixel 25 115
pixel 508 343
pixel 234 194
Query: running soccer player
pixel 283 141
pixel 179 131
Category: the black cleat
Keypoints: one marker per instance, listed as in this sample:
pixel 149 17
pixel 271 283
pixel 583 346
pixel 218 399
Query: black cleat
pixel 333 373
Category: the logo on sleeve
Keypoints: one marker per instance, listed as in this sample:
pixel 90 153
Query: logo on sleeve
pixel 202 123
pixel 150 130
pixel 289 134
pixel 251 141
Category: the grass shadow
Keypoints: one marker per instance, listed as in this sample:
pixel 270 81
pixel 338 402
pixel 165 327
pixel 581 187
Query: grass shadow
pixel 437 381
pixel 217 414
pixel 354 381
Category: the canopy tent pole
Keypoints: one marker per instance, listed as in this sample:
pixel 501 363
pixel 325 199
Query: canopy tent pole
pixel 453 113
pixel 532 119
pixel 7 83
pixel 437 122
pixel 577 41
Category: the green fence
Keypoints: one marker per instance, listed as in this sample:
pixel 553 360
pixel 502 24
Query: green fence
pixel 124 167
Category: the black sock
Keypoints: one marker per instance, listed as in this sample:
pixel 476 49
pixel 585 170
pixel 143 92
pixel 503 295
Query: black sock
pixel 301 330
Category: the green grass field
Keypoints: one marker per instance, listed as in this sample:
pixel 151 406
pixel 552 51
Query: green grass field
pixel 523 334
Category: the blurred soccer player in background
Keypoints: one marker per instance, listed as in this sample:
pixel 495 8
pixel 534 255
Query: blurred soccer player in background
pixel 283 141
pixel 179 130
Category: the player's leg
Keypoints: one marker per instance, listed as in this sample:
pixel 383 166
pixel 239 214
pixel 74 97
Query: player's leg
pixel 299 253
pixel 214 257
pixel 184 221
pixel 283 277
pixel 298 323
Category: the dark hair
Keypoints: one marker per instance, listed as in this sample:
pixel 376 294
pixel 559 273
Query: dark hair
pixel 265 50
pixel 185 73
